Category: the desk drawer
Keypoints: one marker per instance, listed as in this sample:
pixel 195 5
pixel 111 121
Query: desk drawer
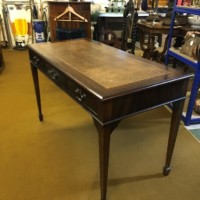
pixel 77 92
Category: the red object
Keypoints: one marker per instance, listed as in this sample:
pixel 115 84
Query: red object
pixel 179 2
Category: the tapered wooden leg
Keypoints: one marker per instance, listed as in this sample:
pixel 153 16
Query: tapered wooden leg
pixel 37 91
pixel 175 122
pixel 104 133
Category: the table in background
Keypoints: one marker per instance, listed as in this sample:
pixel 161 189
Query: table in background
pixel 111 85
pixel 153 29
pixel 113 22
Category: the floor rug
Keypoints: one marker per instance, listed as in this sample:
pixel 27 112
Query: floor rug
pixel 194 129
pixel 195 133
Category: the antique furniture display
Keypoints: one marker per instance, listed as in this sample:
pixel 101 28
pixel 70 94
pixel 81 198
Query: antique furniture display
pixel 110 85
pixel 190 61
pixel 113 22
pixel 57 8
pixel 153 29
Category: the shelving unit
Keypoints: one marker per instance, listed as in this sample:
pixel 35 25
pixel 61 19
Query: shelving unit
pixel 187 118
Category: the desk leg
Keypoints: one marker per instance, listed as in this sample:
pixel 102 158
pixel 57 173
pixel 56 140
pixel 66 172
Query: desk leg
pixel 104 133
pixel 175 122
pixel 37 90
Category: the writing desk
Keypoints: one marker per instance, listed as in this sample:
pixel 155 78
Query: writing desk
pixel 111 85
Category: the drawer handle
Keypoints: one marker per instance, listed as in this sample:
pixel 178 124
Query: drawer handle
pixel 36 60
pixel 80 95
pixel 53 74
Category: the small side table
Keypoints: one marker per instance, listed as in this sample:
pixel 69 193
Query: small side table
pixel 153 30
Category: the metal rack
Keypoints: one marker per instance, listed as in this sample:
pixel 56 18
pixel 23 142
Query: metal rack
pixel 188 119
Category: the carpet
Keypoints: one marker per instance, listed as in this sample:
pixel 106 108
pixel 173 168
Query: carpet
pixel 195 133
pixel 58 159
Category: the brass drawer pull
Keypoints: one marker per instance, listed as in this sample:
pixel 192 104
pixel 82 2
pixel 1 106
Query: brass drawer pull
pixel 36 60
pixel 53 74
pixel 80 95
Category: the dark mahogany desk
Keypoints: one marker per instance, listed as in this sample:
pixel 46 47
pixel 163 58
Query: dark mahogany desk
pixel 111 85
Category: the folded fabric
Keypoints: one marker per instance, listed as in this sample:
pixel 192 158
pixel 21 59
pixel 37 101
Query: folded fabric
pixel 66 34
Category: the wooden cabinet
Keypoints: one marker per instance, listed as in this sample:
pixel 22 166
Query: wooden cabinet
pixel 56 8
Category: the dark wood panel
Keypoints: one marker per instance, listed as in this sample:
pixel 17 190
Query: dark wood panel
pixel 56 8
